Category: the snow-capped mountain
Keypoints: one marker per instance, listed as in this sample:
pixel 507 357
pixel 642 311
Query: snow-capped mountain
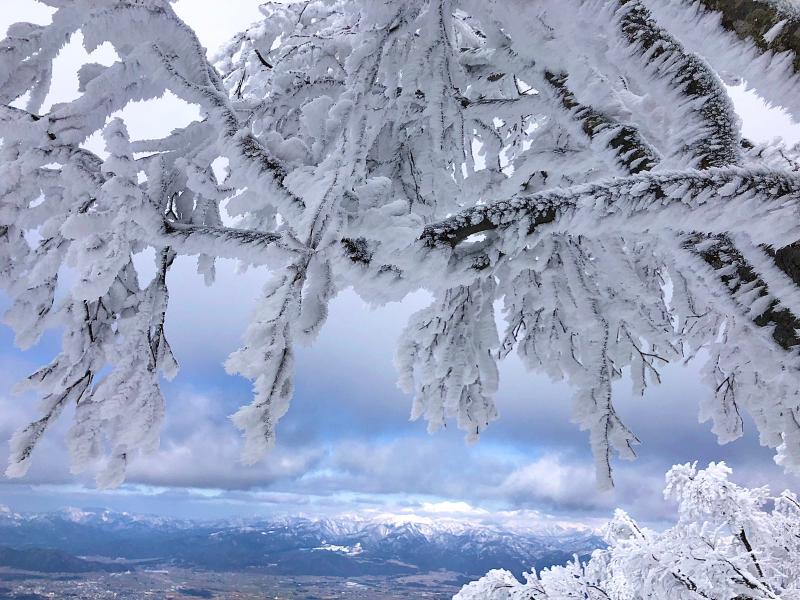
pixel 346 546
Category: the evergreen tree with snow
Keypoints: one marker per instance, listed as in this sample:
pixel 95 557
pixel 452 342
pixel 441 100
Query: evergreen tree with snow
pixel 578 160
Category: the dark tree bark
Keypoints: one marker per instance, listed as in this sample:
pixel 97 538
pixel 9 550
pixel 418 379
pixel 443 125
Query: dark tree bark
pixel 751 19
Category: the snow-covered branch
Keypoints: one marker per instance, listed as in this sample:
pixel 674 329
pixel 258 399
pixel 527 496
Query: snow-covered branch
pixel 770 25
pixel 725 544
pixel 483 150
pixel 751 41
pixel 224 242
pixel 676 201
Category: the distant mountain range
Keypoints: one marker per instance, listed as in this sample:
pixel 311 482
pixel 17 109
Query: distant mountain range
pixel 82 540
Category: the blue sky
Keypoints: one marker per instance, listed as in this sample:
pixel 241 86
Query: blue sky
pixel 347 444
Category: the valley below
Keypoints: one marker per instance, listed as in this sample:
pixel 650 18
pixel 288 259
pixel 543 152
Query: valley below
pixel 98 554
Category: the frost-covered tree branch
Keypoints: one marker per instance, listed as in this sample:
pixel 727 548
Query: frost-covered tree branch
pixel 679 198
pixel 750 41
pixel 482 150
pixel 729 542
pixel 770 25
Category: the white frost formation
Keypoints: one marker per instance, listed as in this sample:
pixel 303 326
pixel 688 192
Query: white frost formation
pixel 726 545
pixel 486 150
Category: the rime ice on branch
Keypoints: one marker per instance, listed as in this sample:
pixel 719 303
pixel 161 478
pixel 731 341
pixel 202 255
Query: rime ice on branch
pixel 485 150
pixel 727 543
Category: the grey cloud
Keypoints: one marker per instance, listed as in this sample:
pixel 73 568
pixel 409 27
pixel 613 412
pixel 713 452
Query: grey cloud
pixel 409 465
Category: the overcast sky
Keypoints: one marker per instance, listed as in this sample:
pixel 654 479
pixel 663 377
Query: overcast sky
pixel 347 444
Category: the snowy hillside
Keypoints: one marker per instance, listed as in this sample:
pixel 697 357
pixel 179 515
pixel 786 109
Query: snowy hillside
pixel 347 545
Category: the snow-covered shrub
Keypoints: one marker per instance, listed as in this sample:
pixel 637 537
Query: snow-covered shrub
pixel 729 542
